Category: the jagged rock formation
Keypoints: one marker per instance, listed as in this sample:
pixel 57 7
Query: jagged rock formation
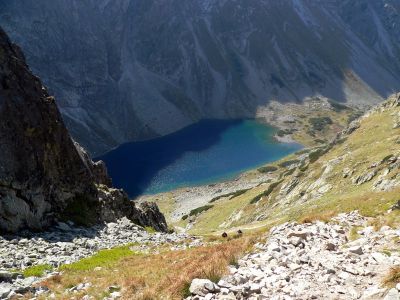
pixel 132 69
pixel 44 176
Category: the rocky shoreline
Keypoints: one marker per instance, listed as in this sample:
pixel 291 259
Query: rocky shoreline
pixel 312 261
pixel 186 199
pixel 66 244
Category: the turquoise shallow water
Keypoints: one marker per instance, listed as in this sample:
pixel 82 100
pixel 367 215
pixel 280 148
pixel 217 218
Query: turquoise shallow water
pixel 206 152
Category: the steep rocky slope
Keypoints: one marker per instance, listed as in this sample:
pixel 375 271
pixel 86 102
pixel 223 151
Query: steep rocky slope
pixel 132 69
pixel 44 176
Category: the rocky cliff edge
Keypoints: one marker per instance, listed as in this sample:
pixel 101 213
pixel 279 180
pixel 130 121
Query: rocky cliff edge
pixel 45 176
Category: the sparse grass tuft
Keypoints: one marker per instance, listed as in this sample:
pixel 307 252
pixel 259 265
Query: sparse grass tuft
pixel 317 216
pixel 393 277
pixel 353 234
pixel 392 220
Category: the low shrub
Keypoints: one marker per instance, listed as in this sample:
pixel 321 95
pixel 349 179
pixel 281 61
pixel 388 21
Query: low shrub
pixel 288 163
pixel 267 169
pixel 200 209
pixel 231 195
pixel 319 124
pixel 266 193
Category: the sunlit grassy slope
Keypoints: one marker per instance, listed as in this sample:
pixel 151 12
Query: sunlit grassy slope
pixel 312 184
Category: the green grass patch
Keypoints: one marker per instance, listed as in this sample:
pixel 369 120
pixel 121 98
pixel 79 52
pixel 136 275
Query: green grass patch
pixel 150 229
pixel 37 271
pixel 353 234
pixel 103 258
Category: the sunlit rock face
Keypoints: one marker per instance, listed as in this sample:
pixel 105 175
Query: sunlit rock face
pixel 133 69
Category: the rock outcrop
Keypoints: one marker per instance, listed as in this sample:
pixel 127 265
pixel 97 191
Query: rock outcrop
pixel 44 175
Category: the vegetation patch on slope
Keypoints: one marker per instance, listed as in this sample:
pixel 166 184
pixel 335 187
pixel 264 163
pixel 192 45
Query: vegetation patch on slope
pixel 166 275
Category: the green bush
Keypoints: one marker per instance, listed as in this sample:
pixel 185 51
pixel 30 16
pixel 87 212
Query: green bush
pixel 267 169
pixel 266 193
pixel 288 163
pixel 314 155
pixel 200 209
pixel 231 195
pixel 320 123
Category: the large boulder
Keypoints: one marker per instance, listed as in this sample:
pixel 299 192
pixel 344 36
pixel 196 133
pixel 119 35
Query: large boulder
pixel 202 287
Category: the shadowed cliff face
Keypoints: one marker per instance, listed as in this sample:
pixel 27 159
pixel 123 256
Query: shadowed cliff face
pixel 44 176
pixel 132 69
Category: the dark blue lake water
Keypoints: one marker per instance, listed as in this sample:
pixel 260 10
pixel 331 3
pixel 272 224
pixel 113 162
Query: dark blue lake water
pixel 206 152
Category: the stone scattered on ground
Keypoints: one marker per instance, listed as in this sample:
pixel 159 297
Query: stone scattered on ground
pixel 67 243
pixel 312 261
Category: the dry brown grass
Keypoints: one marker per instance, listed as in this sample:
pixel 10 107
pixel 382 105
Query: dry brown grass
pixel 156 276
pixel 318 216
pixel 393 277
pixel 391 219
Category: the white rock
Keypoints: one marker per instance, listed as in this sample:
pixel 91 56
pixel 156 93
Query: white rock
pixel 393 294
pixel 201 287
pixel 4 291
pixel 209 297
pixel 379 257
pixel 115 295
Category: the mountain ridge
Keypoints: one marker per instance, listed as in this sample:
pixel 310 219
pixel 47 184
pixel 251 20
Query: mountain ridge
pixel 181 62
